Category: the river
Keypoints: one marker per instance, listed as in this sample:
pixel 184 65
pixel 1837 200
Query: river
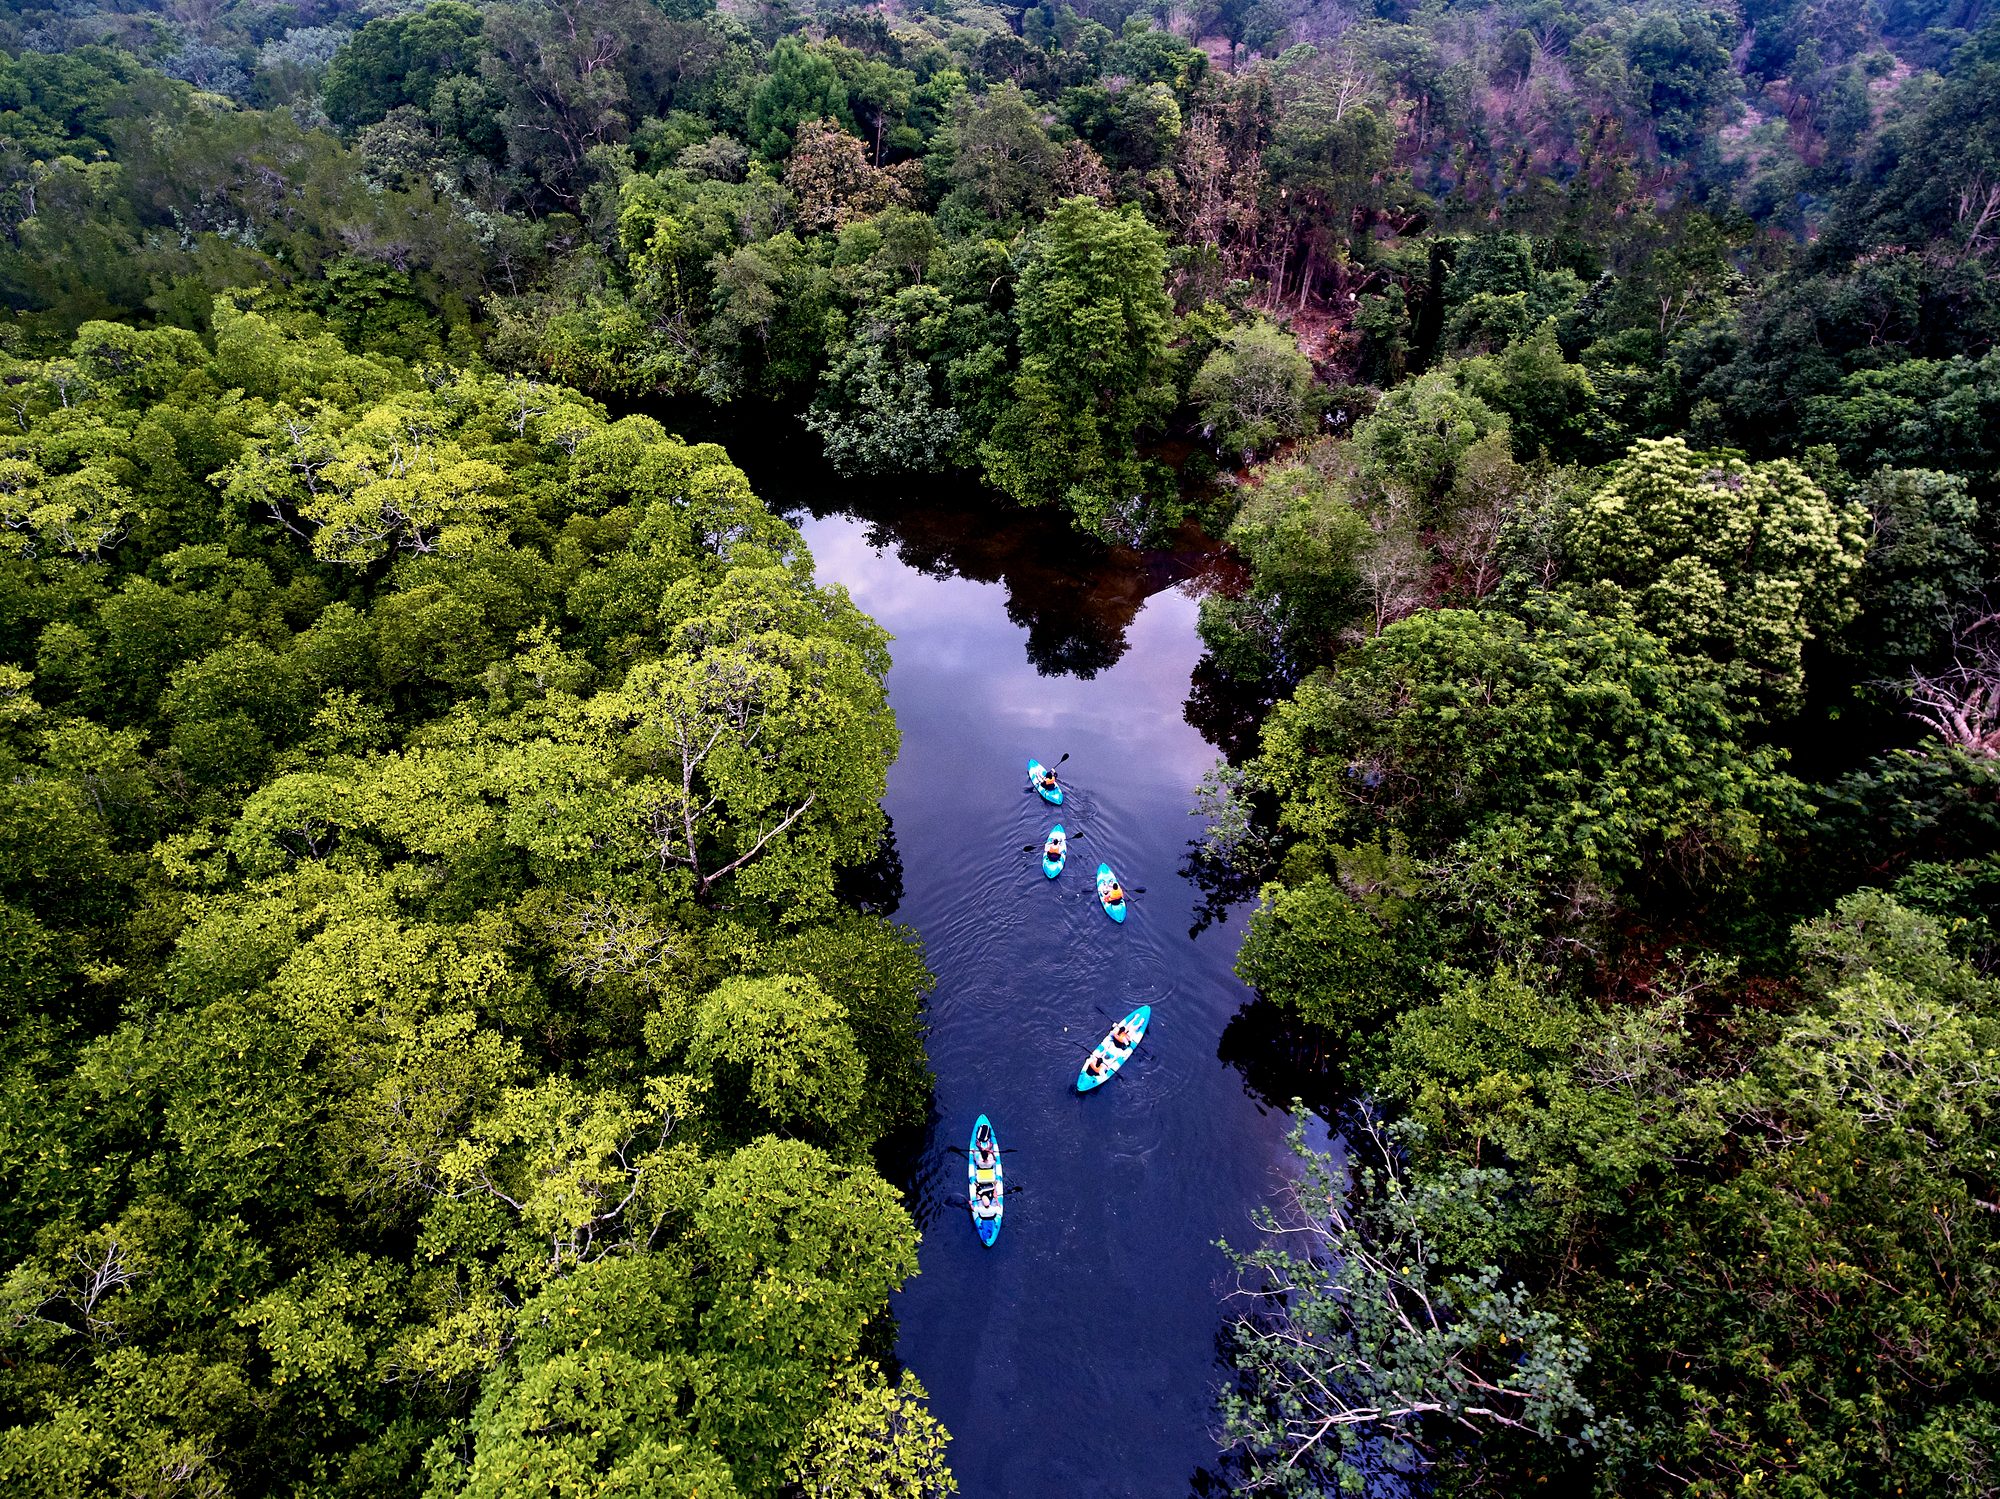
pixel 1078 1356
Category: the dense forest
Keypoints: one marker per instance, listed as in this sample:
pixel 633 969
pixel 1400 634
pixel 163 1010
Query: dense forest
pixel 453 1033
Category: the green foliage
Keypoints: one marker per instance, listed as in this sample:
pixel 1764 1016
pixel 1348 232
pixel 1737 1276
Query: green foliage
pixel 785 1048
pixel 1255 390
pixel 423 821
pixel 1092 319
pixel 1924 561
pixel 1303 539
pixel 1358 1334
pixel 1416 442
pixel 1733 565
pixel 395 61
pixel 426 798
pixel 1857 1136
pixel 802 85
pixel 1682 72
pixel 1585 730
pixel 875 1438
pixel 1335 958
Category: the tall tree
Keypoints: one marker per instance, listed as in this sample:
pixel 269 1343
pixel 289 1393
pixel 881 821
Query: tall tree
pixel 1093 317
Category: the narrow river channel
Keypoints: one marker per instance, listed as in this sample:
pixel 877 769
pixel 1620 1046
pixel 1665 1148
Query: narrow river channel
pixel 1079 1355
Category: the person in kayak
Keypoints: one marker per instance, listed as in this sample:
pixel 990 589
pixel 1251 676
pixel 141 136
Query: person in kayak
pixel 986 1204
pixel 1054 850
pixel 1124 1037
pixel 1114 894
pixel 1095 1066
pixel 1048 778
pixel 987 1155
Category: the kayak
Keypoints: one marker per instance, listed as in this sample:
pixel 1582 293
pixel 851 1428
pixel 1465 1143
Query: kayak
pixel 1109 1055
pixel 988 1226
pixel 1053 798
pixel 1105 880
pixel 1054 867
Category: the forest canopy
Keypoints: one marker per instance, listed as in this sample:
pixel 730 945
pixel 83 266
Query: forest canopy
pixel 425 804
pixel 455 1048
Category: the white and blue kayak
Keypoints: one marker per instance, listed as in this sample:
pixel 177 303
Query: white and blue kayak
pixel 1115 1050
pixel 1106 883
pixel 1052 864
pixel 1052 795
pixel 985 1193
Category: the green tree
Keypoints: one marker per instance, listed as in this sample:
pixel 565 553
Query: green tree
pixel 1003 162
pixel 1255 390
pixel 875 1438
pixel 800 1068
pixel 1303 537
pixel 1092 316
pixel 1360 1341
pixel 1924 560
pixel 1586 733
pixel 802 85
pixel 804 1253
pixel 399 60
pixel 1733 565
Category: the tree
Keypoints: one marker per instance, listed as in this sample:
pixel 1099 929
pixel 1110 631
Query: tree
pixel 1587 732
pixel 1923 562
pixel 1255 390
pixel 878 414
pixel 802 86
pixel 1550 405
pixel 1681 74
pixel 1003 161
pixel 800 1068
pixel 1413 443
pixel 1735 566
pixel 803 1253
pixel 828 171
pixel 399 60
pixel 1855 1144
pixel 875 1438
pixel 1960 704
pixel 1303 537
pixel 754 754
pixel 1092 317
pixel 571 77
pixel 1356 1349
pixel 392 480
pixel 416 1168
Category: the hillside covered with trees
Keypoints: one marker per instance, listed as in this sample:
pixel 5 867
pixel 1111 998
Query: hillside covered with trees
pixel 453 1038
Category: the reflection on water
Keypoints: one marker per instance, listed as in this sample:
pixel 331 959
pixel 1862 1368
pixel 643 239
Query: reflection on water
pixel 1227 711
pixel 877 885
pixel 1282 1062
pixel 1078 1356
pixel 1074 596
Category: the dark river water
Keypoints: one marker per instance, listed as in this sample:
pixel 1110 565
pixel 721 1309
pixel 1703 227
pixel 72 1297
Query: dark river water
pixel 1078 1356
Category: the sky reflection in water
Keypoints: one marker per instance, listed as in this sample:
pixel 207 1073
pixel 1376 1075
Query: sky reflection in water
pixel 1078 1356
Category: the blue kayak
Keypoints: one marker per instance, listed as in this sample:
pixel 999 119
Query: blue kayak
pixel 1114 1050
pixel 982 1171
pixel 1105 880
pixel 1054 866
pixel 1053 798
